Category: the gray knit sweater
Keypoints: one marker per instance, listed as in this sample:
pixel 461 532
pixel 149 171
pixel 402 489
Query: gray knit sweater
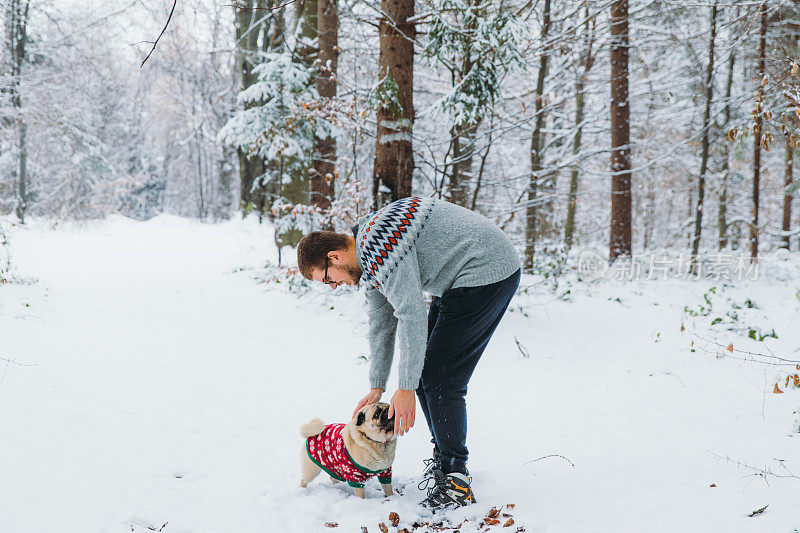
pixel 414 245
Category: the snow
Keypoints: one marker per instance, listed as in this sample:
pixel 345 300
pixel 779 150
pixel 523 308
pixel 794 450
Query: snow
pixel 155 380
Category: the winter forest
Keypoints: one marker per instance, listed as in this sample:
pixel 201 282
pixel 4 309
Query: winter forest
pixel 160 160
pixel 642 125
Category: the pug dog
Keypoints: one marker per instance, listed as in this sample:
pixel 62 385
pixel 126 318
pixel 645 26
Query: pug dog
pixel 352 452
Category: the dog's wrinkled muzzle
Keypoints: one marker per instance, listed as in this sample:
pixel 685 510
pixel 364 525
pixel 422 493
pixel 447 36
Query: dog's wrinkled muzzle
pixel 386 423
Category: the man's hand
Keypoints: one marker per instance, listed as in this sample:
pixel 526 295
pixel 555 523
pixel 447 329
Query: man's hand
pixel 374 396
pixel 402 409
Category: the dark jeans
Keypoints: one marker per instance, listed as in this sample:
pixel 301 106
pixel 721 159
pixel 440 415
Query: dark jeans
pixel 460 324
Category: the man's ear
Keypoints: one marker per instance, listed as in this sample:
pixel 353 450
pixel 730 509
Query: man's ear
pixel 360 419
pixel 335 255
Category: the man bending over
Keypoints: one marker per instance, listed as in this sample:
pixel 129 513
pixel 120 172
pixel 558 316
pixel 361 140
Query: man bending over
pixel 472 271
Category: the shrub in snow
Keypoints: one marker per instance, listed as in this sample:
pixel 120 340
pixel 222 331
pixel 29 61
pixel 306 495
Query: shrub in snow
pixel 742 317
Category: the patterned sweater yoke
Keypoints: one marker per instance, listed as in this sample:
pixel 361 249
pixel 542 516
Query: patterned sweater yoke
pixel 389 235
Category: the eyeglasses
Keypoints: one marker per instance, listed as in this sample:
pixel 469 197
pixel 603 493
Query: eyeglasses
pixel 325 279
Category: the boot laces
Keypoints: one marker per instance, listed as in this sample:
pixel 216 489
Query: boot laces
pixel 434 483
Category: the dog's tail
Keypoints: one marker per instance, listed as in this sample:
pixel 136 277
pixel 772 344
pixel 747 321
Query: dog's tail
pixel 315 427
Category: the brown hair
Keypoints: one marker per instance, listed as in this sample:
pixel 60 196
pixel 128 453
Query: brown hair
pixel 314 248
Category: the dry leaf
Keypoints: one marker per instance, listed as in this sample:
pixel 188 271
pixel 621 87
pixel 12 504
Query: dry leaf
pixel 493 513
pixel 394 519
pixel 492 521
pixel 506 515
pixel 730 347
pixel 383 528
pixel 777 390
pixel 511 505
pixel 331 524
pixel 758 511
pixel 509 523
pixel 364 529
pixel 713 485
pixel 794 68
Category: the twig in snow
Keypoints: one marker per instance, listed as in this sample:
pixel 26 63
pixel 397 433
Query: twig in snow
pixel 522 349
pixel 760 472
pixel 744 355
pixel 8 362
pixel 551 455
pixel 758 511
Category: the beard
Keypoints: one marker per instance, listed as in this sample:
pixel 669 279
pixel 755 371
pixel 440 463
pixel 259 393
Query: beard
pixel 354 271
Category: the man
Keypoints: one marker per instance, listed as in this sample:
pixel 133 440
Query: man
pixel 470 268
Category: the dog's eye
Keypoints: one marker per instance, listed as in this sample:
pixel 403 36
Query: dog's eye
pixel 377 414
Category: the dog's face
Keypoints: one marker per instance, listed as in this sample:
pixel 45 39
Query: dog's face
pixel 374 423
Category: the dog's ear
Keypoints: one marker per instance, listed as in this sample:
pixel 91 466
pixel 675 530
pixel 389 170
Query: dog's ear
pixel 360 419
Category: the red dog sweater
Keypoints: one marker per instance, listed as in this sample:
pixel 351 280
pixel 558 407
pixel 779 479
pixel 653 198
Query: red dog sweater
pixel 328 452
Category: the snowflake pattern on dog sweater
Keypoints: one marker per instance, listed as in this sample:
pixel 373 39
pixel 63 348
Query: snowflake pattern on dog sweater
pixel 327 450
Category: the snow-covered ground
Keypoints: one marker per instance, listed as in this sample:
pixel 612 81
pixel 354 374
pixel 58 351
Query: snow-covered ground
pixel 150 380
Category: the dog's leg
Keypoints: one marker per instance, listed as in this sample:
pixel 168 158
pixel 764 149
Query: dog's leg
pixel 308 469
pixel 359 491
pixel 387 488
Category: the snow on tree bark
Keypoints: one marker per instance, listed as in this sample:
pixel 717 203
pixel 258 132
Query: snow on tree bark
pixel 531 211
pixel 394 158
pixel 701 179
pixel 323 173
pixel 620 241
pixel 758 127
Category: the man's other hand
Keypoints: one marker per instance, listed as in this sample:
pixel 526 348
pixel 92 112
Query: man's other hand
pixel 402 409
pixel 374 396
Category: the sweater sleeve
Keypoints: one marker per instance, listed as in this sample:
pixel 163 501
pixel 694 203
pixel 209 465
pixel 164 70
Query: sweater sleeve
pixel 382 328
pixel 385 476
pixel 403 291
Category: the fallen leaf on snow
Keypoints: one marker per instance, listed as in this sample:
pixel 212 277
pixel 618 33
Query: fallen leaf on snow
pixel 758 511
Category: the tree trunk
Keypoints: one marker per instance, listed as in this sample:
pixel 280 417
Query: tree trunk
pixel 537 141
pixel 762 51
pixel 323 174
pixel 620 241
pixel 251 169
pixel 463 140
pixel 394 158
pixel 17 36
pixel 787 196
pixel 701 181
pixel 306 30
pixel 463 150
pixel 585 64
pixel 722 212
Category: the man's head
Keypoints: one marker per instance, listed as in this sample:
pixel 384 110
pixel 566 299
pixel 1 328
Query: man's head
pixel 336 252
